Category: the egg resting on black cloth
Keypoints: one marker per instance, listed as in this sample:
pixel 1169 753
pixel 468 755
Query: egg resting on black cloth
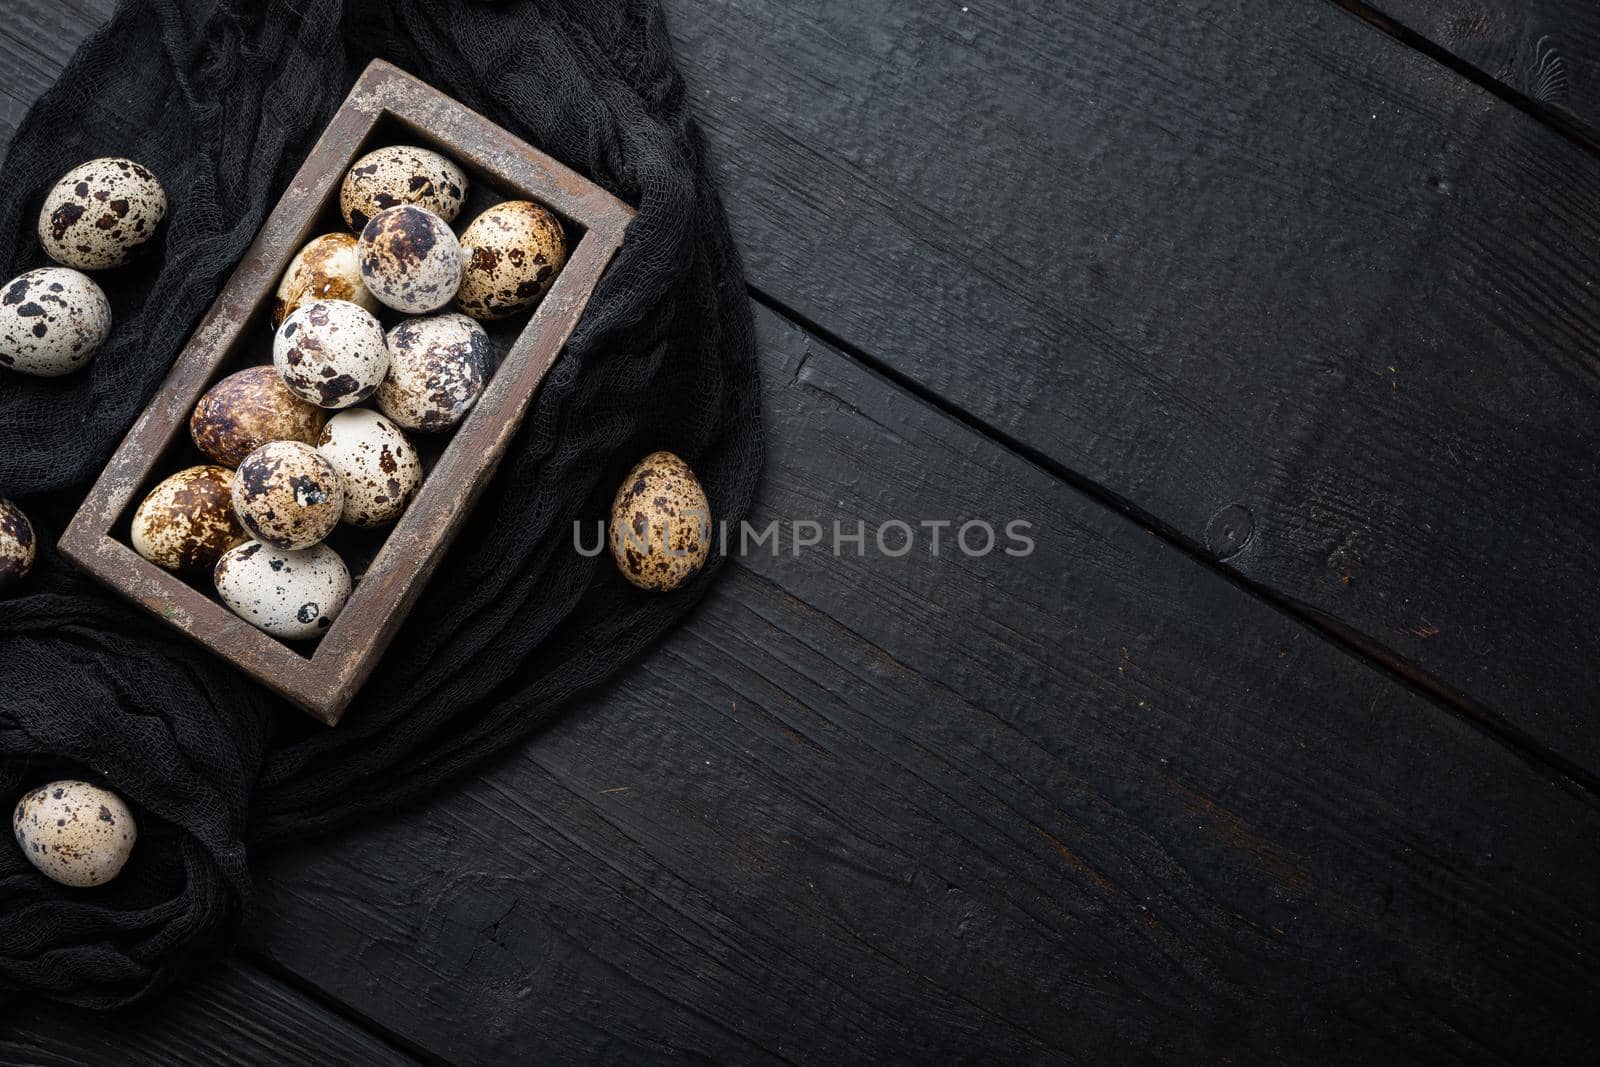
pixel 664 358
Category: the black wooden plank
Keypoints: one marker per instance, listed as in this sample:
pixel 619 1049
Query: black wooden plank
pixel 234 1015
pixel 37 37
pixel 1235 255
pixel 737 952
pixel 1095 804
pixel 1545 52
pixel 1351 310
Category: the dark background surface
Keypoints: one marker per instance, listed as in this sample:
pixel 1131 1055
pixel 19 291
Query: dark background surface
pixel 1277 321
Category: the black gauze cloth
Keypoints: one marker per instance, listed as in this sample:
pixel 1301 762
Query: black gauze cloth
pixel 223 100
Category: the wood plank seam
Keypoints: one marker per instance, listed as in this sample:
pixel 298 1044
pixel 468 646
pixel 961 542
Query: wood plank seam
pixel 237 1015
pixel 1352 642
pixel 671 840
pixel 1536 109
pixel 1303 600
pixel 1112 501
pixel 1163 337
pixel 274 971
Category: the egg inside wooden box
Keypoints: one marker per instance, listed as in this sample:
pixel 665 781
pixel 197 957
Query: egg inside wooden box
pixel 299 396
pixel 410 462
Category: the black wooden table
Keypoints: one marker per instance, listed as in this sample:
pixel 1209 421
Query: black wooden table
pixel 1277 320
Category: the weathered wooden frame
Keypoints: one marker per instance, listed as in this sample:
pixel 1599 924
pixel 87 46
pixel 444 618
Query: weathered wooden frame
pixel 324 681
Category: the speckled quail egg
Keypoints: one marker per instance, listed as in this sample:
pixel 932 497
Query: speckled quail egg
pixel 17 546
pixel 293 595
pixel 52 321
pixel 410 259
pixel 401 174
pixel 188 520
pixel 288 495
pixel 100 212
pixel 331 352
pixel 378 466
pixel 327 268
pixel 510 255
pixel 660 524
pixel 246 410
pixel 438 367
pixel 76 833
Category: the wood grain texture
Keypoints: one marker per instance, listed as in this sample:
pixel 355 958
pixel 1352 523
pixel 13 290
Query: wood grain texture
pixel 1547 51
pixel 233 1015
pixel 1237 258
pixel 37 37
pixel 1098 804
pixel 1094 805
pixel 1345 345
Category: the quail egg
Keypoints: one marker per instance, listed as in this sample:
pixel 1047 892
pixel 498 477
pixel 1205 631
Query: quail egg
pixel 325 269
pixel 410 259
pixel 288 495
pixel 75 833
pixel 660 524
pixel 438 367
pixel 17 545
pixel 378 466
pixel 510 255
pixel 293 595
pixel 188 520
pixel 52 321
pixel 401 174
pixel 246 410
pixel 331 352
pixel 100 212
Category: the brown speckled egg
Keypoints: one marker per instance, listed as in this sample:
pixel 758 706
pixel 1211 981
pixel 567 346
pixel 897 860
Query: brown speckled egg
pixel 401 174
pixel 438 367
pixel 331 352
pixel 510 256
pixel 188 520
pixel 75 833
pixel 327 268
pixel 660 524
pixel 293 595
pixel 410 259
pixel 52 321
pixel 288 495
pixel 246 410
pixel 378 466
pixel 100 212
pixel 17 546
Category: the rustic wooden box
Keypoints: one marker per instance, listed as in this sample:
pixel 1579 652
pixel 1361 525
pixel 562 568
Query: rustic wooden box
pixel 386 106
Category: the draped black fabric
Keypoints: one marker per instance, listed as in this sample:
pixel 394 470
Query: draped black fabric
pixel 223 99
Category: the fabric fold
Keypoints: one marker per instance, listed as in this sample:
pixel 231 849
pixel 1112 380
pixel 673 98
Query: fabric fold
pixel 223 100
